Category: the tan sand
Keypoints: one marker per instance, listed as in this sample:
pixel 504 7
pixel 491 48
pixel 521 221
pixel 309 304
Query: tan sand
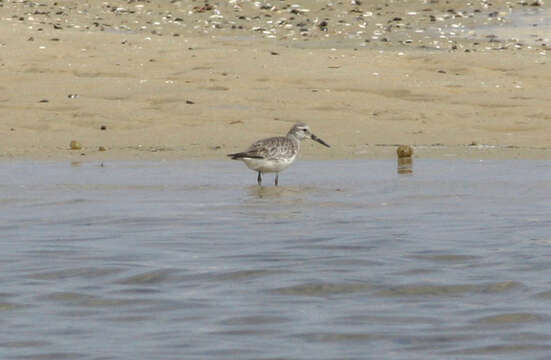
pixel 210 91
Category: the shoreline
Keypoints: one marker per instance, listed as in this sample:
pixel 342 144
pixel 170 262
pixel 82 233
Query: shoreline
pixel 376 152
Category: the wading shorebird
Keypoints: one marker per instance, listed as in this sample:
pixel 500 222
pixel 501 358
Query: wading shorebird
pixel 275 154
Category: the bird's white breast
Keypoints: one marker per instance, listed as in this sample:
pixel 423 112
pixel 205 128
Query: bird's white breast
pixel 269 165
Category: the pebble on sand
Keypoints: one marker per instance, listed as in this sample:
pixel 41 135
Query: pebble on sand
pixel 75 145
pixel 404 151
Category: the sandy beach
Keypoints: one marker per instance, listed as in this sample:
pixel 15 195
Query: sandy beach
pixel 199 79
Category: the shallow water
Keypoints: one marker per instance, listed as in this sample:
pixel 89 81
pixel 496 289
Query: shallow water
pixel 348 259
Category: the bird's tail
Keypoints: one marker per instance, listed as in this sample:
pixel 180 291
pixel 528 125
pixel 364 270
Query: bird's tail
pixel 241 155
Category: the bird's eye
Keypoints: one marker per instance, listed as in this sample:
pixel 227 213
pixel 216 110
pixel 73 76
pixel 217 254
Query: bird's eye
pixel 304 130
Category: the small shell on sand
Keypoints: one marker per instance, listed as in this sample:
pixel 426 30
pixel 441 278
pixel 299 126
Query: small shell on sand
pixel 404 151
pixel 75 145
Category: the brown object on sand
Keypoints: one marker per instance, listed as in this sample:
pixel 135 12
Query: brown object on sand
pixel 75 145
pixel 404 151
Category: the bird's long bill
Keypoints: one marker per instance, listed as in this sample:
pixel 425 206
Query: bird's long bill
pixel 315 138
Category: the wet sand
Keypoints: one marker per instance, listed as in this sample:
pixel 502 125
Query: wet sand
pixel 158 80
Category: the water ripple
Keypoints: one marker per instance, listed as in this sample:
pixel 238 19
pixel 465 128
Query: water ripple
pixel 85 300
pixel 512 318
pixel 84 273
pixel 52 356
pixel 507 349
pixel 151 277
pixel 449 290
pixel 323 289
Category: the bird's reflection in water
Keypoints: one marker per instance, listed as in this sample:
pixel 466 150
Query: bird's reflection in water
pixel 405 165
pixel 272 192
pixel 288 193
pixel 276 203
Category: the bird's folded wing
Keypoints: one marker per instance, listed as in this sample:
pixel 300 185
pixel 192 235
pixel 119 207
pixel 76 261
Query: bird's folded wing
pixel 272 149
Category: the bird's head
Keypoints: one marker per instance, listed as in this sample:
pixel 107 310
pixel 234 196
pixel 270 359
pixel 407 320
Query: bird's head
pixel 302 131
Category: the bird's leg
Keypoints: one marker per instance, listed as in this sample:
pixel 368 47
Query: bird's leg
pixel 277 179
pixel 259 178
